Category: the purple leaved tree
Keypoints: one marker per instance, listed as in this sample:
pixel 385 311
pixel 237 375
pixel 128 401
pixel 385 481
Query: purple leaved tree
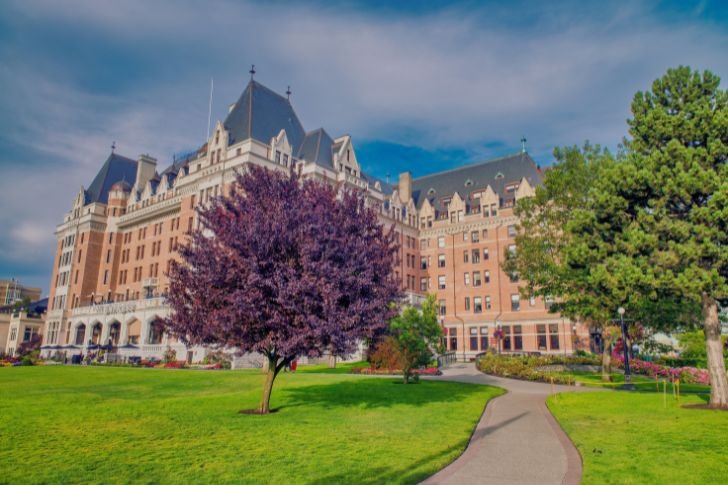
pixel 285 267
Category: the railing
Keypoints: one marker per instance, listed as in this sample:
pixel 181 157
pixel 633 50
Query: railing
pixel 119 307
pixel 152 348
pixel 446 358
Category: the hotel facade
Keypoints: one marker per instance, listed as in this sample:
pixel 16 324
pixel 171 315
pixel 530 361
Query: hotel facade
pixel 115 244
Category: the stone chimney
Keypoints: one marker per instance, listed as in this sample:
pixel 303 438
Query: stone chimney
pixel 146 167
pixel 405 186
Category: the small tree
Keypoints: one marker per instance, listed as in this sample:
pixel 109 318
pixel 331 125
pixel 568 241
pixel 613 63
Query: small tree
pixel 21 305
pixel 29 351
pixel 416 333
pixel 560 253
pixel 286 268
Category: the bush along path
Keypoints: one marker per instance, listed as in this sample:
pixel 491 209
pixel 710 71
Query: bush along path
pixel 517 440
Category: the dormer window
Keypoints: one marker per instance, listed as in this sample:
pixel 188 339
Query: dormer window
pixel 468 183
pixel 431 191
pixel 499 176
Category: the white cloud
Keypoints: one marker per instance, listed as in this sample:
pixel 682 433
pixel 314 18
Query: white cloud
pixel 460 77
pixel 31 233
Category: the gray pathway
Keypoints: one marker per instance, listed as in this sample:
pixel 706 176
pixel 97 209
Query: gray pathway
pixel 517 441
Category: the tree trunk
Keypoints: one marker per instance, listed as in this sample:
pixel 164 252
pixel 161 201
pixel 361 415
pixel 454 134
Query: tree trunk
pixel 607 361
pixel 714 348
pixel 270 378
pixel 405 374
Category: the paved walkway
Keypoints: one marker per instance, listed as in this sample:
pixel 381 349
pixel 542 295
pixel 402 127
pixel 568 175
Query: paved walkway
pixel 517 441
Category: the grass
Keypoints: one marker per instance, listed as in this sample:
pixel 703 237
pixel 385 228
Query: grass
pixel 641 383
pixel 94 424
pixel 632 437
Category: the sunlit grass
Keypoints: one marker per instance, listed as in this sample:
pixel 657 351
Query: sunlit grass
pixel 641 383
pixel 638 437
pixel 94 424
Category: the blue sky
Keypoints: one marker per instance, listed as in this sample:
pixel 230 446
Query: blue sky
pixel 421 86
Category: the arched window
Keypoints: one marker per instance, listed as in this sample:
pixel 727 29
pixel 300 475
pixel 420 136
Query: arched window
pixel 80 334
pixel 115 333
pixel 155 333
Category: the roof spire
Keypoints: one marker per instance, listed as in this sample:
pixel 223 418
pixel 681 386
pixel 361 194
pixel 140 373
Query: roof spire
pixel 252 71
pixel 523 145
pixel 113 146
pixel 288 93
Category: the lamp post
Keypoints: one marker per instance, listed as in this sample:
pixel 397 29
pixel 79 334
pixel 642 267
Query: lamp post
pixel 498 335
pixel 464 358
pixel 576 338
pixel 444 337
pixel 627 374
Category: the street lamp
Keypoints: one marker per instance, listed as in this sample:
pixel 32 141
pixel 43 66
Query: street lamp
pixel 498 334
pixel 627 374
pixel 576 338
pixel 463 322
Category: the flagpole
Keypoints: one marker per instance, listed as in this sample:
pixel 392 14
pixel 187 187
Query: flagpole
pixel 209 110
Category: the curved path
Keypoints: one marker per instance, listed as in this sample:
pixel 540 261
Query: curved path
pixel 517 440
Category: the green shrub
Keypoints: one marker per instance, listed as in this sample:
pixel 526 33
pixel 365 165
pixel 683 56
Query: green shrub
pixel 526 367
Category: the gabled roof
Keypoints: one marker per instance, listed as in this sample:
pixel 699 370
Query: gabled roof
pixel 316 148
pixel 114 169
pixel 261 114
pixel 387 188
pixel 497 173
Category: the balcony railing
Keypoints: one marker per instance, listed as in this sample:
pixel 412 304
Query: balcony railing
pixel 120 306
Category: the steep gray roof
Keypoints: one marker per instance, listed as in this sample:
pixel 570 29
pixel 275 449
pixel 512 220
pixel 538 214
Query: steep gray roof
pixel 317 148
pixel 387 188
pixel 497 173
pixel 261 114
pixel 114 169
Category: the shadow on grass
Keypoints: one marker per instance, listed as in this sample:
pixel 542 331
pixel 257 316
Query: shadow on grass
pixel 375 393
pixel 407 473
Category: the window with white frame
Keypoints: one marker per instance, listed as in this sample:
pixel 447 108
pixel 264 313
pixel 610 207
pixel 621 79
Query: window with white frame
pixel 477 305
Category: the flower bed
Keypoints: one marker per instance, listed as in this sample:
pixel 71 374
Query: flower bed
pixel 527 367
pixel 686 375
pixel 429 371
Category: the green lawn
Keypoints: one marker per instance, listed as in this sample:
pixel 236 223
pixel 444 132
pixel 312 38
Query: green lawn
pixel 641 383
pixel 95 424
pixel 632 437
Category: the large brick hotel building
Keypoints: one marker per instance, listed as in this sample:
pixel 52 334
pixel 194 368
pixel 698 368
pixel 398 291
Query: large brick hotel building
pixel 115 244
